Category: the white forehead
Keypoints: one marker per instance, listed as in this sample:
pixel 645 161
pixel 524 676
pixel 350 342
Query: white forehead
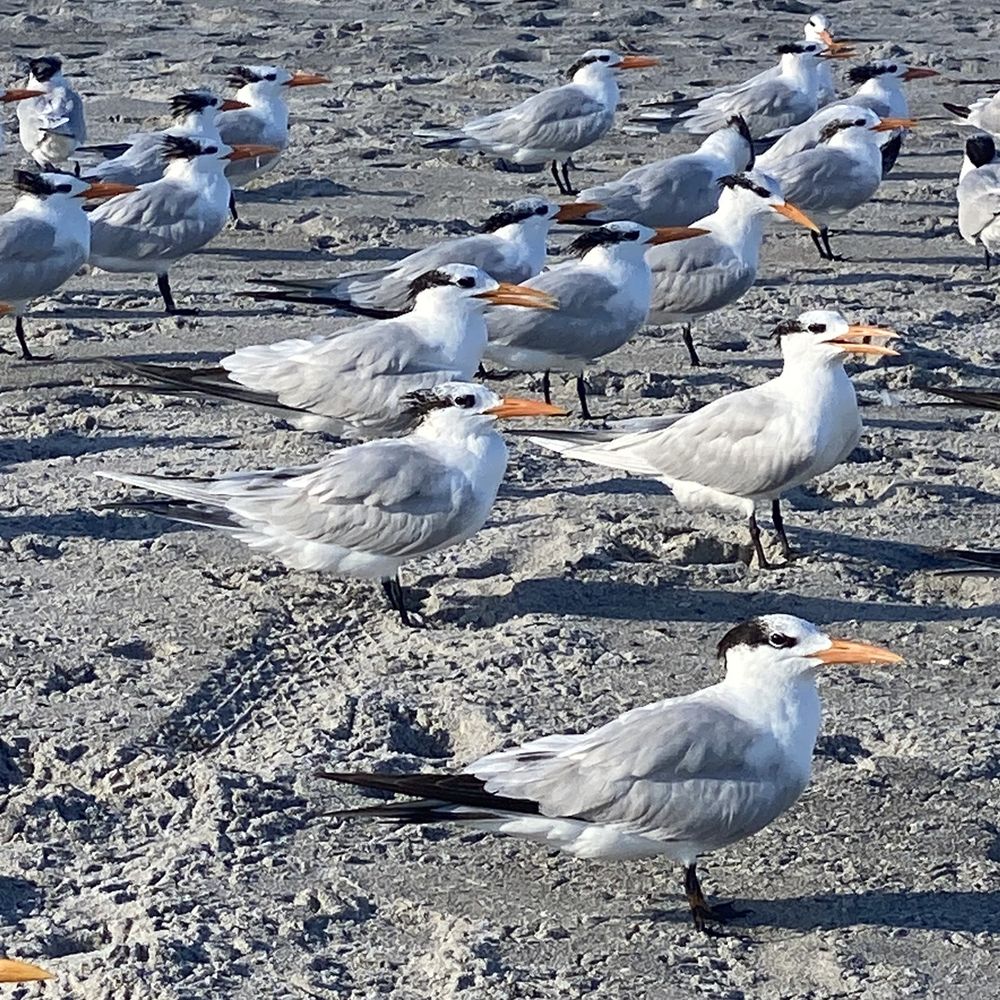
pixel 795 628
pixel 828 317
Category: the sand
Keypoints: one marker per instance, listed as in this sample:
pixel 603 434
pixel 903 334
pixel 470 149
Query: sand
pixel 167 696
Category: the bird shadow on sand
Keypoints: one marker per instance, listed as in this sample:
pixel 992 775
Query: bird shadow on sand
pixel 294 189
pixel 18 899
pixel 87 524
pixel 203 311
pixel 263 253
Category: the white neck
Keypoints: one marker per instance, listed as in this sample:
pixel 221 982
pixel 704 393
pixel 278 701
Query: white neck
pixel 800 71
pixel 729 146
pixel 201 123
pixel 599 81
pixel 738 223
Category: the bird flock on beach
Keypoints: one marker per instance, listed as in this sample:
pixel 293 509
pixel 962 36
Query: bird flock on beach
pixel 404 392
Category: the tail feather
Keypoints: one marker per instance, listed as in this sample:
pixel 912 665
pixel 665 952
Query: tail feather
pixel 109 150
pixel 984 399
pixel 325 298
pixel 185 513
pixel 987 558
pixel 597 448
pixel 960 110
pixel 443 139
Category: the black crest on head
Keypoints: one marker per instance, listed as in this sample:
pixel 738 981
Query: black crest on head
pixel 239 76
pixel 44 67
pixel 507 216
pixel 739 123
pixel 830 129
pixel 861 74
pixel 741 180
pixel 32 183
pixel 189 101
pixel 579 64
pixel 980 149
pixel 754 632
pixel 180 147
pixel 424 401
pixel 796 47
pixel 437 279
pixel 600 236
pixel 786 326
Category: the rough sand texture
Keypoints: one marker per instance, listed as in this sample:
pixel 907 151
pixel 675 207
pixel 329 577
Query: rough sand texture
pixel 167 696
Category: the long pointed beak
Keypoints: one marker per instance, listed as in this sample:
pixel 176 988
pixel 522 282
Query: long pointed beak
pixel 106 189
pixel 857 331
pixel 515 406
pixel 638 62
pixel 508 294
pixel 249 151
pixel 796 215
pixel 13 971
pixel 5 307
pixel 575 210
pixel 232 105
pixel 20 94
pixel 301 79
pixel 671 234
pixel 850 651
pixel 919 73
pixel 888 124
pixel 831 43
pixel 839 50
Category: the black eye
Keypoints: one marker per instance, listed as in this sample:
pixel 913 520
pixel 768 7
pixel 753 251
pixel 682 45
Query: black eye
pixel 860 121
pixel 211 149
pixel 817 327
pixel 467 282
pixel 893 68
pixel 542 210
pixel 604 58
pixel 466 402
pixel 64 188
pixel 271 76
pixel 779 641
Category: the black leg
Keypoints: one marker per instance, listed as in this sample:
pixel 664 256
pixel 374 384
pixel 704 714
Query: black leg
pixel 568 186
pixel 581 392
pixel 779 527
pixel 396 596
pixel 758 548
pixel 825 237
pixel 986 255
pixel 546 389
pixel 163 284
pixel 689 344
pixel 558 179
pixel 701 912
pixel 26 354
pixel 818 243
pixel 232 207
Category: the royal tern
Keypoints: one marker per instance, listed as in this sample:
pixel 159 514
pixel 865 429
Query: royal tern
pixel 367 509
pixel 603 298
pixel 979 197
pixel 983 113
pixel 44 238
pixel 263 121
pixel 680 777
pixel 14 971
pixel 353 382
pixel 16 94
pixel 156 225
pixel 139 159
pixel 676 191
pixel 817 29
pixel 551 125
pixel 841 173
pixel 756 444
pixel 696 277
pixel 509 247
pixel 51 126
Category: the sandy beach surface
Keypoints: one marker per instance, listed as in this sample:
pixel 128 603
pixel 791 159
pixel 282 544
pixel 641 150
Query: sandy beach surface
pixel 166 696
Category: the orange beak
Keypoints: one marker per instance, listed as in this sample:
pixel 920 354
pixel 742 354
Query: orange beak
pixel 106 189
pixel 12 971
pixel 5 307
pixel 250 151
pixel 919 73
pixel 860 330
pixel 20 94
pixel 849 651
pixel 796 215
pixel 576 210
pixel 671 234
pixel 838 50
pixel 519 295
pixel 306 79
pixel 888 124
pixel 638 62
pixel 231 105
pixel 831 43
pixel 515 406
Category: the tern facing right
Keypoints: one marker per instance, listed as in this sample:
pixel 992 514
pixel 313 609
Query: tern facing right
pixel 365 510
pixel 979 197
pixel 680 777
pixel 51 126
pixel 756 444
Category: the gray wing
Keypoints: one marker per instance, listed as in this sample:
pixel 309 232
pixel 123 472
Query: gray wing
pixel 31 262
pixel 772 105
pixel 141 163
pixel 696 276
pixel 242 126
pixel 62 113
pixel 823 179
pixel 482 250
pixel 978 201
pixel 685 769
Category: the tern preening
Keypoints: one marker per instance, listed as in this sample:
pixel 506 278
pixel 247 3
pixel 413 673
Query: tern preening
pixel 756 444
pixel 160 223
pixel 367 509
pixel 696 277
pixel 676 191
pixel 355 382
pixel 603 298
pixel 50 126
pixel 678 778
pixel 510 247
pixel 979 197
pixel 140 158
pixel 263 119
pixel 44 238
pixel 552 125
pixel 14 971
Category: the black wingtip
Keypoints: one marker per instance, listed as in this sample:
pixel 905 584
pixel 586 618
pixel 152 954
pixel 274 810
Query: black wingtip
pixel 981 399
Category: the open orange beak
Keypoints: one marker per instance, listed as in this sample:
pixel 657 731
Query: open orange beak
pixel 638 62
pixel 106 189
pixel 858 331
pixel 515 406
pixel 20 94
pixel 849 651
pixel 231 105
pixel 575 210
pixel 888 124
pixel 671 234
pixel 301 79
pixel 12 971
pixel 507 294
pixel 831 43
pixel 796 215
pixel 919 73
pixel 250 151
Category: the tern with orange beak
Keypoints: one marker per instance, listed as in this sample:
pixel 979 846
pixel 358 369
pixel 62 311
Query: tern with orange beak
pixel 52 126
pixel 756 444
pixel 159 223
pixel 367 509
pixel 353 382
pixel 139 159
pixel 603 295
pixel 44 238
pixel 510 246
pixel 678 778
pixel 553 125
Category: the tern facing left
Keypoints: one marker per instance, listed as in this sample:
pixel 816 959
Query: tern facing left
pixel 979 197
pixel 756 444
pixel 551 125
pixel 365 510
pixel 678 778
pixel 51 126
